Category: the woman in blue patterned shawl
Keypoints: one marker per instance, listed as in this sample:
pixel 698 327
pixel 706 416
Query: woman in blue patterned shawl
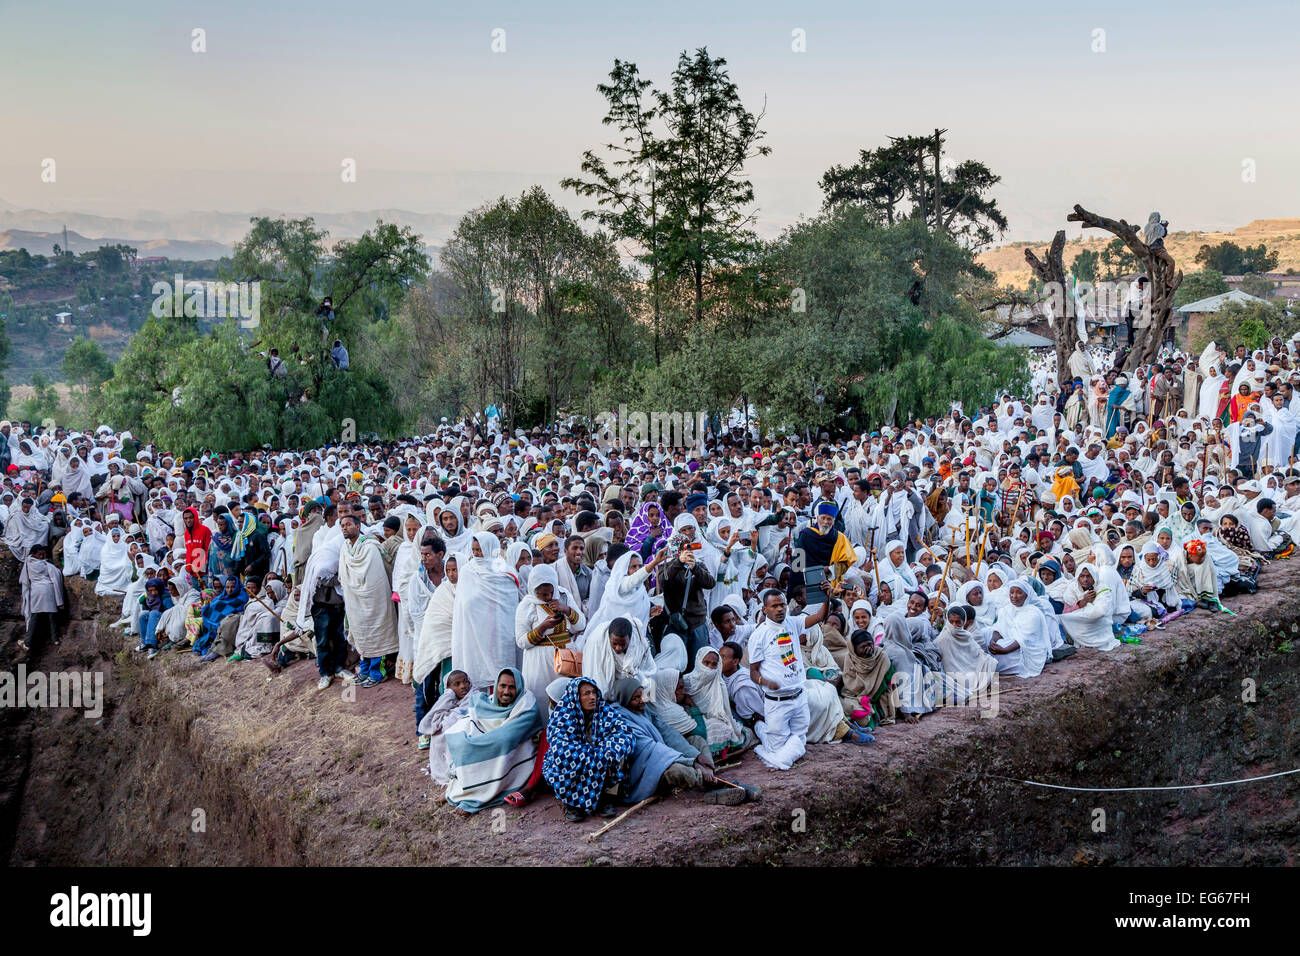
pixel 588 742
pixel 230 600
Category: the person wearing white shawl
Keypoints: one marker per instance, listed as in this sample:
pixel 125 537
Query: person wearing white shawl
pixel 405 564
pixel 322 564
pixel 565 577
pixel 31 456
pixel 735 561
pixel 92 547
pixel 1090 623
pixel 134 590
pixel 668 712
pixel 483 619
pixel 417 596
pixel 457 536
pixel 1278 447
pixel 967 666
pixel 1043 412
pixel 895 571
pixel 707 689
pixel 1226 562
pixel 625 594
pixel 26 527
pixel 256 621
pixel 433 649
pixel 115 565
pixel 971 594
pixel 546 620
pixel 158 525
pixel 72 546
pixel 368 597
pixel 172 623
pixel 1022 641
pixel 515 561
pixel 997 594
pixel 1154 579
pixel 42 596
pixel 98 461
pixel 604 662
pixel 75 478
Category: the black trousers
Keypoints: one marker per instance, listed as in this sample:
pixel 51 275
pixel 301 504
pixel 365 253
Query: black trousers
pixel 42 630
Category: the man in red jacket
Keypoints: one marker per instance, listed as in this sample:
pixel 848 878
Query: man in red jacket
pixel 198 538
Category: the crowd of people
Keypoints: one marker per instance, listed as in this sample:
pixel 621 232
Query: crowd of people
pixel 605 623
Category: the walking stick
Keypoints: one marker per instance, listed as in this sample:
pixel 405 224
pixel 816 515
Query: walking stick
pixel 621 817
pixel 947 564
pixel 983 542
pixel 875 566
pixel 1205 472
pixel 967 543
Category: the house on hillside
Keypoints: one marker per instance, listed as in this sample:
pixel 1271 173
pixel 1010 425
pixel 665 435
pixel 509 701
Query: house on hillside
pixel 1193 314
pixel 1285 287
pixel 63 318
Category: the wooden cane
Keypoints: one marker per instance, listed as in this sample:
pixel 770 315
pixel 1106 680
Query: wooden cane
pixel 875 566
pixel 967 543
pixel 621 817
pixel 944 580
pixel 983 542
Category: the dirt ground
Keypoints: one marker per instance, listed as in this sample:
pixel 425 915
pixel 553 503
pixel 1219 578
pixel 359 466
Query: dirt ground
pixel 278 772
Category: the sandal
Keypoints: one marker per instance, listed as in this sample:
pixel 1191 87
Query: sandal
pixel 518 799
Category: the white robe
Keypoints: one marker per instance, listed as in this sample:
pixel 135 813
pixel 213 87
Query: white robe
pixel 483 619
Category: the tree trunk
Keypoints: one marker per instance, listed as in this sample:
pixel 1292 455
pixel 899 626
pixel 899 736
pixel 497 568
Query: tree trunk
pixel 1051 270
pixel 1161 269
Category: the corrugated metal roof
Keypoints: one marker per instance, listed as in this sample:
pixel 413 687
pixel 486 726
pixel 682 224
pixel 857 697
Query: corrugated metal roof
pixel 1023 338
pixel 1216 302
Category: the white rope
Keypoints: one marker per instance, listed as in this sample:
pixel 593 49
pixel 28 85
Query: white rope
pixel 1187 786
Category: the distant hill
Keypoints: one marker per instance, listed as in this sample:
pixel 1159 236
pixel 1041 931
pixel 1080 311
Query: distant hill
pixel 1281 234
pixel 198 234
pixel 43 243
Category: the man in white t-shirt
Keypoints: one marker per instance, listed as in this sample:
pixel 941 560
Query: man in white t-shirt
pixel 776 666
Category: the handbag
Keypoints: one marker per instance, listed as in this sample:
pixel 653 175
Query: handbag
pixel 568 662
pixel 677 619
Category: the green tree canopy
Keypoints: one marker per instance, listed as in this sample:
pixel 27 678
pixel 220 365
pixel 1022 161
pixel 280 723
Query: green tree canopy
pixel 906 180
pixel 1228 258
pixel 1200 285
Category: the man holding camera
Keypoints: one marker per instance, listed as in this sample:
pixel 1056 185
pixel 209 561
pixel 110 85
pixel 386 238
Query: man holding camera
pixel 685 581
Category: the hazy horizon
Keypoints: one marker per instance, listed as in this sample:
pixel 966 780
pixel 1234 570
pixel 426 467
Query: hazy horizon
pixel 437 123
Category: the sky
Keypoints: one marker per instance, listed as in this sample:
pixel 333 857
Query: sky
pixel 1160 110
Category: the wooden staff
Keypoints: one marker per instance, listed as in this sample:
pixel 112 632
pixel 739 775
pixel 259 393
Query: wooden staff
pixel 1205 470
pixel 983 542
pixel 621 817
pixel 967 544
pixel 271 609
pixel 1015 511
pixel 875 566
pixel 947 564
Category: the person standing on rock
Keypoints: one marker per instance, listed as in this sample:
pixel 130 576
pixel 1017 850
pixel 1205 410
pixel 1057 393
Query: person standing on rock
pixel 42 586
